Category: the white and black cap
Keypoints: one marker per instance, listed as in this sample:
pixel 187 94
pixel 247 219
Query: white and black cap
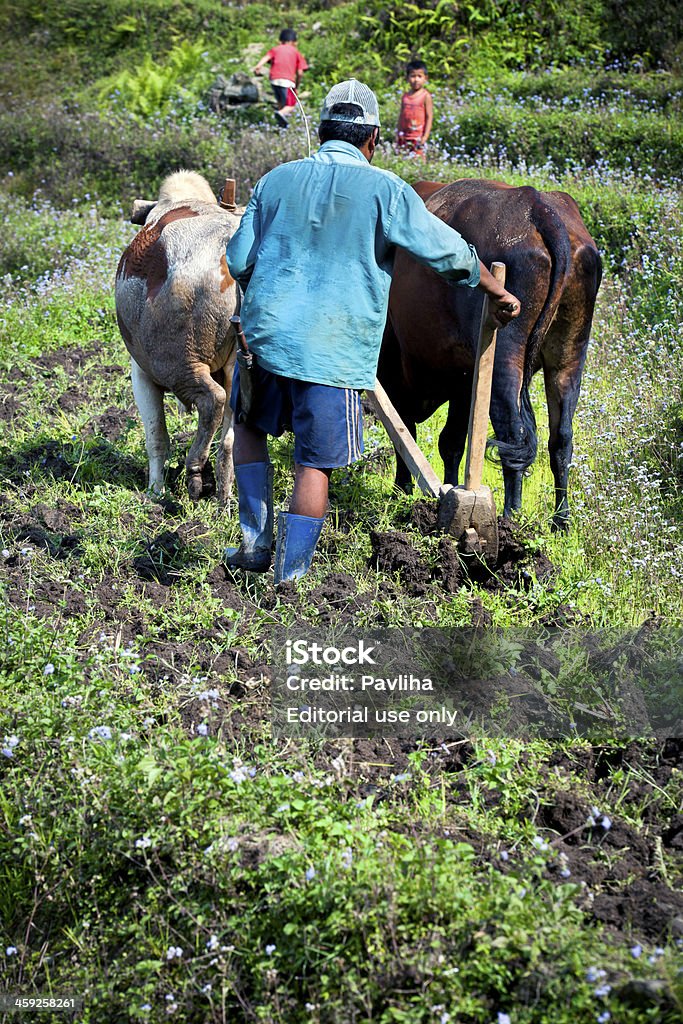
pixel 352 91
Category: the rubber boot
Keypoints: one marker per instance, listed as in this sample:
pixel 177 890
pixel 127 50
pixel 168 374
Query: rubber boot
pixel 255 496
pixel 297 538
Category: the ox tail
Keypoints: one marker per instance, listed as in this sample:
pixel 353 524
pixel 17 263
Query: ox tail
pixel 519 455
pixel 552 230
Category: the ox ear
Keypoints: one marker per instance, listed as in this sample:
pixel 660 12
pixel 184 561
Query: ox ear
pixel 141 209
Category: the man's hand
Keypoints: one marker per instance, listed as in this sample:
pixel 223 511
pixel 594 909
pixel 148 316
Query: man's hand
pixel 503 305
pixel 504 308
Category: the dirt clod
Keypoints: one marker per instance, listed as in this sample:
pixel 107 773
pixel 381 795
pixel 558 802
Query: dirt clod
pixel 393 553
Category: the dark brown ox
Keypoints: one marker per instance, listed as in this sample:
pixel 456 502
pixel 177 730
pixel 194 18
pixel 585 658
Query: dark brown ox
pixel 174 300
pixel 427 357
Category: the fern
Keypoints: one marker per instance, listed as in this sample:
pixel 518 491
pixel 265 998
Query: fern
pixel 153 87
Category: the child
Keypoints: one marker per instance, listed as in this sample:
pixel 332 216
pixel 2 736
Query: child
pixel 287 66
pixel 415 119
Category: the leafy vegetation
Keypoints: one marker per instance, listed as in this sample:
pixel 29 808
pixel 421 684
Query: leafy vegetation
pixel 161 854
pixel 151 88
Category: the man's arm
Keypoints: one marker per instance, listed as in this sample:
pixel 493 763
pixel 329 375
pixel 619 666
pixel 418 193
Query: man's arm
pixel 244 244
pixel 434 243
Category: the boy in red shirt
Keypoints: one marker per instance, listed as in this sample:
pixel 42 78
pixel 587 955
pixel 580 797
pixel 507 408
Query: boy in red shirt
pixel 287 66
pixel 415 119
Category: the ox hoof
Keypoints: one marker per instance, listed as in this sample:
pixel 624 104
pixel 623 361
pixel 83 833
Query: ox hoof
pixel 201 484
pixel 195 485
pixel 560 524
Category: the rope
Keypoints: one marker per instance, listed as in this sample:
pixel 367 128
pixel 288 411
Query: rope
pixel 301 108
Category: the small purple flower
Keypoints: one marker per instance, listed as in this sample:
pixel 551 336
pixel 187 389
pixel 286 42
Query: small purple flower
pixel 606 823
pixel 11 951
pixel 100 732
pixel 310 874
pixel 503 1018
pixel 602 1018
pixel 636 951
pixel 10 743
pixel 270 950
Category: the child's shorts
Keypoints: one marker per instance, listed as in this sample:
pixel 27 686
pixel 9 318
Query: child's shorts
pixel 327 422
pixel 284 95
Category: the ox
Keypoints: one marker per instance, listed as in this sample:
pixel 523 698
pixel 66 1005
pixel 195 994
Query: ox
pixel 174 300
pixel 428 351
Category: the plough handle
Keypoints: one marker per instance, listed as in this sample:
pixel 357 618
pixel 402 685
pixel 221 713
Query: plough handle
pixel 404 442
pixel 481 391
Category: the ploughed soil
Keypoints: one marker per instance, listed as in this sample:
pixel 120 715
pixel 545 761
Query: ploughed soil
pixel 625 885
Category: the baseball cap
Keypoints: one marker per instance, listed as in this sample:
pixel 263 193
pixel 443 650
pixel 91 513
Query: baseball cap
pixel 352 91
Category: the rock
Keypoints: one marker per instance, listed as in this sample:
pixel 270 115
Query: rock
pixel 236 90
pixel 644 992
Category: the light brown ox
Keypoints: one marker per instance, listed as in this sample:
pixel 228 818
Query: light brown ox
pixel 174 300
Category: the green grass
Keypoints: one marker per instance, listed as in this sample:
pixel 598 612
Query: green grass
pixel 238 874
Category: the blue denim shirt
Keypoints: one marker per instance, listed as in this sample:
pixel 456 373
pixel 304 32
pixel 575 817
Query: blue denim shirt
pixel 315 253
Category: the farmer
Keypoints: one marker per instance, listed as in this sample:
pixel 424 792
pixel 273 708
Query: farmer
pixel 314 253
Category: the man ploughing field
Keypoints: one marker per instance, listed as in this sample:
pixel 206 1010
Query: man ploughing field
pixel 314 254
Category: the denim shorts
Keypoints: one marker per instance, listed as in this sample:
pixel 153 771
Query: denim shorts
pixel 327 422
